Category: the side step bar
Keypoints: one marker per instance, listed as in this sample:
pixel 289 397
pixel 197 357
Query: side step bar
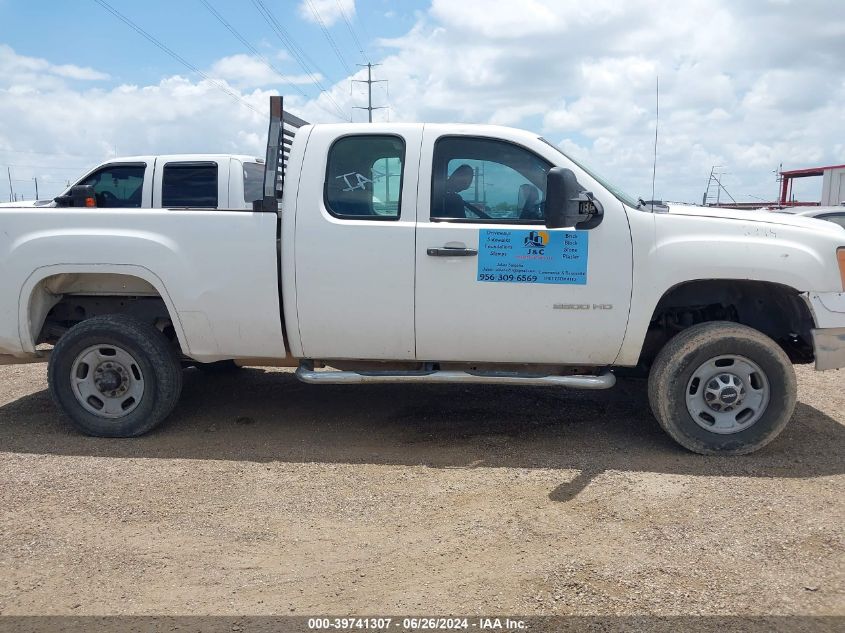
pixel 605 380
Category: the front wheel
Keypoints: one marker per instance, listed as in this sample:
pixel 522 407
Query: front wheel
pixel 114 376
pixel 721 388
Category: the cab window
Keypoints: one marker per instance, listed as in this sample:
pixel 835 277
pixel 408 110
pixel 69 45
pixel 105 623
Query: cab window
pixel 487 180
pixel 364 177
pixel 191 185
pixel 253 182
pixel 118 186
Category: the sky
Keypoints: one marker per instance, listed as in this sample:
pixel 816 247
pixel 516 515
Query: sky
pixel 745 86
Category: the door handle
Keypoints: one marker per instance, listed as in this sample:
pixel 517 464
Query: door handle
pixel 451 251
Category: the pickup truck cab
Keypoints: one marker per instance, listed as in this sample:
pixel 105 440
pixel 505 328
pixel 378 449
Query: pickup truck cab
pixel 427 253
pixel 196 181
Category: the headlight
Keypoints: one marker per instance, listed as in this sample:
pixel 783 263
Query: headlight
pixel 840 256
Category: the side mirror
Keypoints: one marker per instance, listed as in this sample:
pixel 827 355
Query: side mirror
pixel 79 196
pixel 567 204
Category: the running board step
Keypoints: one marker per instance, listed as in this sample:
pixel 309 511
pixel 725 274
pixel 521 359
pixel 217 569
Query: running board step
pixel 604 380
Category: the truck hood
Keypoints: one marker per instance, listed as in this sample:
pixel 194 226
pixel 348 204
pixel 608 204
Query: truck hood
pixel 27 203
pixel 767 217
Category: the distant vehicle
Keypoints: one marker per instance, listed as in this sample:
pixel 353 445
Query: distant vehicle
pixel 368 260
pixel 831 214
pixel 174 181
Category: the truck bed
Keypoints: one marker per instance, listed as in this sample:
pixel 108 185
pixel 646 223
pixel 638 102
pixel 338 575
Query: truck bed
pixel 216 271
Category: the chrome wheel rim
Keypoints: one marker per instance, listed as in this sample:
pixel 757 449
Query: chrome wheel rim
pixel 107 381
pixel 727 394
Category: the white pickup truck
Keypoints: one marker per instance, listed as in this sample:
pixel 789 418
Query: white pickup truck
pixel 195 181
pixel 426 253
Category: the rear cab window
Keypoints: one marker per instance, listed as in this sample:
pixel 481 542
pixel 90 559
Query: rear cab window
pixel 364 177
pixel 189 184
pixel 253 181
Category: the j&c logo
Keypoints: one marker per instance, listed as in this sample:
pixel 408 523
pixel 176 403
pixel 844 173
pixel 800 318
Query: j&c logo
pixel 536 241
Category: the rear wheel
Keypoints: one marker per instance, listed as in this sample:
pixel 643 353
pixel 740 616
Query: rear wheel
pixel 114 376
pixel 721 388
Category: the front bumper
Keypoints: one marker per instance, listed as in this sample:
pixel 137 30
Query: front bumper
pixel 828 310
pixel 829 347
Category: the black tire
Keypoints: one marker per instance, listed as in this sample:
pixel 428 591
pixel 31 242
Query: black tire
pixel 678 361
pixel 156 358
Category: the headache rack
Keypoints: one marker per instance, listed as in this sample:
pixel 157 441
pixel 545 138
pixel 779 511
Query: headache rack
pixel 283 127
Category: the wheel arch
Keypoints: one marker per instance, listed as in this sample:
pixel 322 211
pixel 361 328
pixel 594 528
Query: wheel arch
pixel 48 285
pixel 777 310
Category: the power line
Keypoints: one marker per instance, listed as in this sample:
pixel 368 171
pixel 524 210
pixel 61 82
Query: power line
pixel 219 85
pixel 249 46
pixel 352 31
pixel 257 54
pixel 298 54
pixel 329 37
pixel 293 47
pixel 296 51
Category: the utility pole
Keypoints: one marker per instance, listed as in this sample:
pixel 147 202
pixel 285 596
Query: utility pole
pixel 778 180
pixel 11 191
pixel 369 81
pixel 36 188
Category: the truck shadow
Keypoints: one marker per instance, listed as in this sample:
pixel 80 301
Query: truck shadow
pixel 266 416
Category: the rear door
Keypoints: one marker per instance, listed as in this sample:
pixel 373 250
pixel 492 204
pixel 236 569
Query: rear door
pixel 493 284
pixel 355 236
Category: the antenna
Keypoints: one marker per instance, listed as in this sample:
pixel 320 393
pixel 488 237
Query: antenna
pixel 656 122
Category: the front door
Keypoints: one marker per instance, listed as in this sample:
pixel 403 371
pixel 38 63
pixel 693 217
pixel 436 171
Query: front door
pixel 493 284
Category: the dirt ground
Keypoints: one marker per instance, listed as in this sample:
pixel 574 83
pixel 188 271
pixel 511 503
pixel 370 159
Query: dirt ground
pixel 262 495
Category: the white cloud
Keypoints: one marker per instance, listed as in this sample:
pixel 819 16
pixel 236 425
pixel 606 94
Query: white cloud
pixel 52 129
pixel 78 72
pixel 247 71
pixel 581 74
pixel 14 68
pixel 329 11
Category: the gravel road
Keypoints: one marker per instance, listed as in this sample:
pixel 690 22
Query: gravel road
pixel 262 495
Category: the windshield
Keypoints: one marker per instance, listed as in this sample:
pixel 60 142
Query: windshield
pixel 628 199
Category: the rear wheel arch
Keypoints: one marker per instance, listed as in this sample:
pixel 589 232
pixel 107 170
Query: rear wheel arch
pixel 119 289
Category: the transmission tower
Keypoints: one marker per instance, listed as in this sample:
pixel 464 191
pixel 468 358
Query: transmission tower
pixel 369 81
pixel 713 194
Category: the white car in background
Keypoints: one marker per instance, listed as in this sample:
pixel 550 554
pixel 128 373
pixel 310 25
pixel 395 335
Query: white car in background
pixel 197 181
pixel 831 214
